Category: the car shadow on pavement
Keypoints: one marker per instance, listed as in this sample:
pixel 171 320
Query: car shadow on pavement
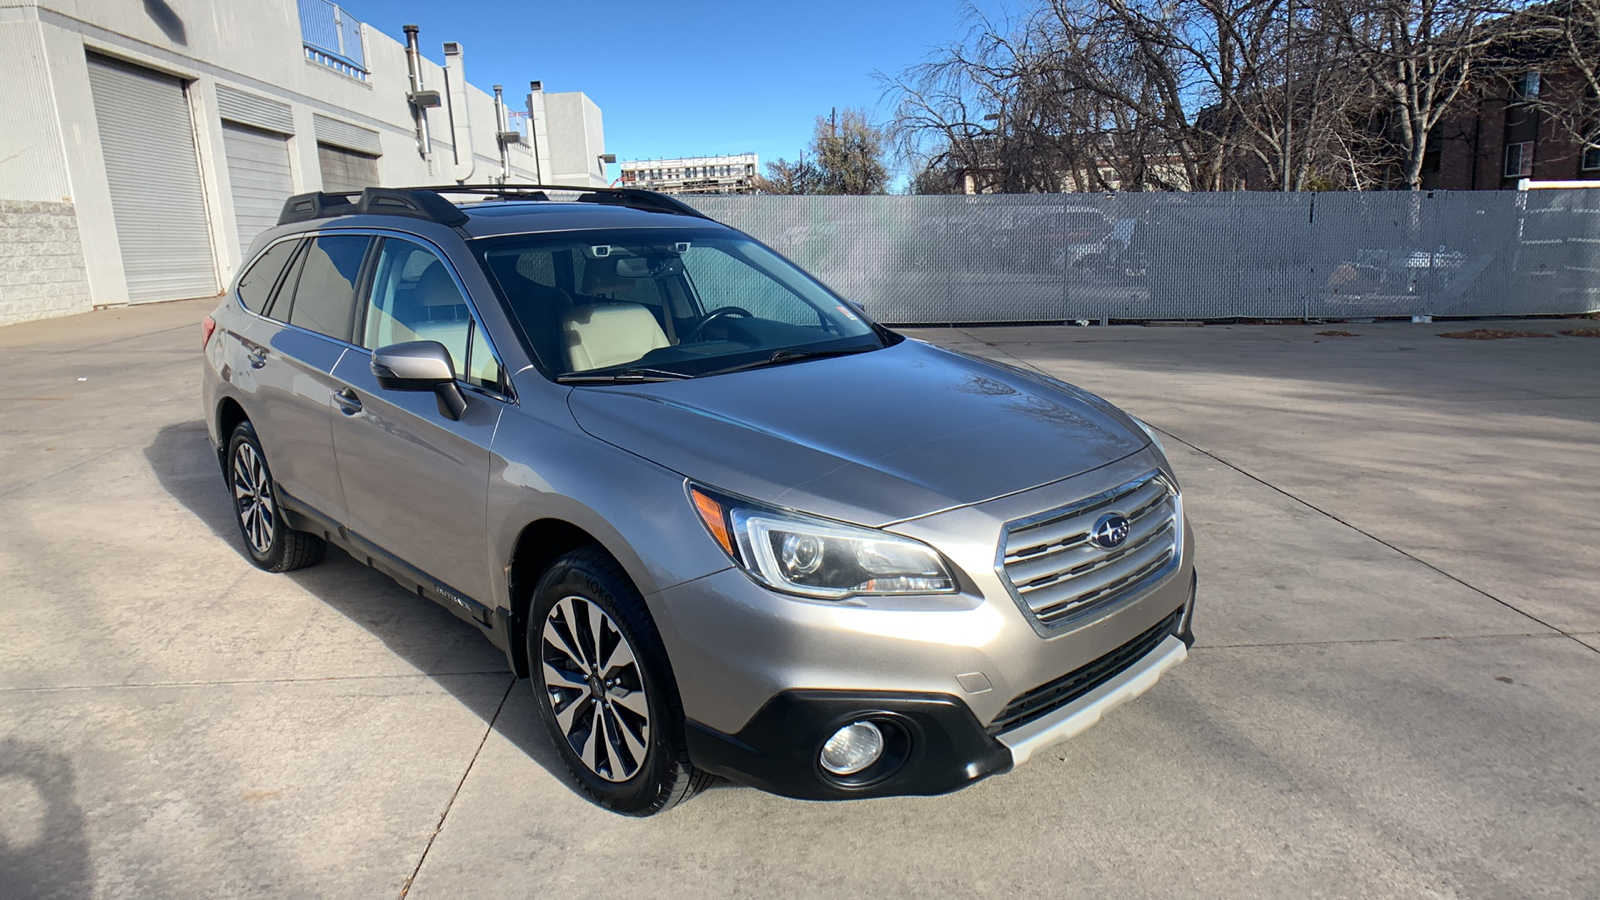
pixel 44 848
pixel 419 631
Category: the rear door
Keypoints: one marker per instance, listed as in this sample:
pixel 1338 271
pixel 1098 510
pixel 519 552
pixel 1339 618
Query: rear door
pixel 416 481
pixel 293 352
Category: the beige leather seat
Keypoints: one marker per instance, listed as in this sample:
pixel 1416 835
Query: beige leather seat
pixel 609 334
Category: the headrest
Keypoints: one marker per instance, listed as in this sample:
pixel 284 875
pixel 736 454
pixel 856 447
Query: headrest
pixel 600 277
pixel 436 288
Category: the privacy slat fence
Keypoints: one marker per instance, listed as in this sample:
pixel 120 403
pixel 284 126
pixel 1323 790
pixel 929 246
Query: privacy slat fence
pixel 1063 257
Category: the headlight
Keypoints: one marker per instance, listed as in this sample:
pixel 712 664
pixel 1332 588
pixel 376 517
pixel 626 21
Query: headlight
pixel 816 557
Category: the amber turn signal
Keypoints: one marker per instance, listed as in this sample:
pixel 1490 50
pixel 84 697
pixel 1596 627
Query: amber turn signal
pixel 715 518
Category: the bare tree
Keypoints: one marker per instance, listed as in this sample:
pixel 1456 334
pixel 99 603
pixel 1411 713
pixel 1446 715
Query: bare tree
pixel 1199 94
pixel 1419 57
pixel 1131 94
pixel 1569 32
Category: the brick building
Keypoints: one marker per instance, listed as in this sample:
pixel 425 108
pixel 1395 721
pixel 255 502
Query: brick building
pixel 1509 129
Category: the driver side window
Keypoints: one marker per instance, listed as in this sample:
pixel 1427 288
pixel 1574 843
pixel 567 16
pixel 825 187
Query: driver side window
pixel 415 298
pixel 722 280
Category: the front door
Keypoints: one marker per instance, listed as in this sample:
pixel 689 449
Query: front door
pixel 416 481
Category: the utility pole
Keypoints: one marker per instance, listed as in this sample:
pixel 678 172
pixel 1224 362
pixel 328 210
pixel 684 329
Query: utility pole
pixel 1288 96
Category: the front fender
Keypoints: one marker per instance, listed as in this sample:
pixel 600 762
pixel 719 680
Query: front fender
pixel 544 467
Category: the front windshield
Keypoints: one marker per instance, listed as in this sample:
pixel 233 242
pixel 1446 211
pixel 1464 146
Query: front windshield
pixel 662 303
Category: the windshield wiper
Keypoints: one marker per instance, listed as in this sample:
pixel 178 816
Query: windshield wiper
pixel 626 376
pixel 788 355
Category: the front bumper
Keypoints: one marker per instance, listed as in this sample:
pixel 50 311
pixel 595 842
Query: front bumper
pixel 941 746
pixel 973 666
pixel 936 744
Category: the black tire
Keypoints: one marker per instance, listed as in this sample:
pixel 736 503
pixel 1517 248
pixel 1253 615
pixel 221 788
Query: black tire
pixel 621 782
pixel 268 540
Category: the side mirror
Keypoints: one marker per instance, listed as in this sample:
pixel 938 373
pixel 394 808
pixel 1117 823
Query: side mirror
pixel 420 366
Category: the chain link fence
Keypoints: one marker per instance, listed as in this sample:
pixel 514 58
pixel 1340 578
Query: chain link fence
pixel 1063 257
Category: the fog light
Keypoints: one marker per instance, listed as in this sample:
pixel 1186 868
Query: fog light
pixel 852 748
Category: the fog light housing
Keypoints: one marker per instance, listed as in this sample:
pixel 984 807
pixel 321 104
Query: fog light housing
pixel 853 748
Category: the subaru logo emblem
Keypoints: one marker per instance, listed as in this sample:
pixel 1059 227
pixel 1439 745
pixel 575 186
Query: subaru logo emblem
pixel 1109 531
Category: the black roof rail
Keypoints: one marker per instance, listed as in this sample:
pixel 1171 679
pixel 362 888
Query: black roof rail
pixel 633 198
pixel 423 204
pixel 318 205
pixel 427 202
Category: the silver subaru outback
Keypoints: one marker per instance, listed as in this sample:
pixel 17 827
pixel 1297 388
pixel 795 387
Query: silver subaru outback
pixel 725 523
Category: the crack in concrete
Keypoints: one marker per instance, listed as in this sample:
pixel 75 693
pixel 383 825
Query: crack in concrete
pixel 43 689
pixel 1370 536
pixel 43 478
pixel 1403 640
pixel 406 888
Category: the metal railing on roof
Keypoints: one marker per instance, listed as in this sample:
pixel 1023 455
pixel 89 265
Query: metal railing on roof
pixel 332 37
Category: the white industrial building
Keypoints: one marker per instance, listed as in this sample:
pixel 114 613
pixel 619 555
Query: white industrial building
pixel 143 145
pixel 693 175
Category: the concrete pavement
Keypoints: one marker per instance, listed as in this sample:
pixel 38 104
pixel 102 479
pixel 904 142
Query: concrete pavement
pixel 1396 692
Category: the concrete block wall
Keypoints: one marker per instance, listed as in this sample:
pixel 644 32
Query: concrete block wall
pixel 42 273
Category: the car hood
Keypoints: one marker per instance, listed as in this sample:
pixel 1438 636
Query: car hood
pixel 871 438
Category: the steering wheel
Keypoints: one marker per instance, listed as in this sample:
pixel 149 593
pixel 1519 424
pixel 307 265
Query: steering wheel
pixel 708 318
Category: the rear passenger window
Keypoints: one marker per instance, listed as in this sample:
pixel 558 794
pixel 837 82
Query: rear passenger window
pixel 325 293
pixel 255 287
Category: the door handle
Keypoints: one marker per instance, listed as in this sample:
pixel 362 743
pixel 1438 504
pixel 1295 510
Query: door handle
pixel 348 402
pixel 257 355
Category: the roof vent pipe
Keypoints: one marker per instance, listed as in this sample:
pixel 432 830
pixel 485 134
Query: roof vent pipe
pixel 420 100
pixel 536 132
pixel 503 133
pixel 455 83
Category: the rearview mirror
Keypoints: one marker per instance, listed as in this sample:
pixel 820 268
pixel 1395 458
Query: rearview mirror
pixel 647 267
pixel 420 366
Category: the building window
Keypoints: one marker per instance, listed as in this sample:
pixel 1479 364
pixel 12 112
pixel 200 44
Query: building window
pixel 1432 151
pixel 1519 160
pixel 1525 88
pixel 1591 159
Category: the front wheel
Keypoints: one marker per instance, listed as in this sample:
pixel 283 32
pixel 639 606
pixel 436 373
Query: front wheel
pixel 272 544
pixel 605 689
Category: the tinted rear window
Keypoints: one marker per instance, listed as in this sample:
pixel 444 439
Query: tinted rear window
pixel 255 288
pixel 325 294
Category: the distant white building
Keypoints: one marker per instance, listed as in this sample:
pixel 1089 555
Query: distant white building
pixel 693 175
pixel 143 145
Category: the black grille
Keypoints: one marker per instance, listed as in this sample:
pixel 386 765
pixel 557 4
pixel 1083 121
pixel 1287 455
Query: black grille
pixel 1051 696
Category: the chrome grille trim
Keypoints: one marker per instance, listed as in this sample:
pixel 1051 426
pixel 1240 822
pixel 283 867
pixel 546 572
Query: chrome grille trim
pixel 1057 576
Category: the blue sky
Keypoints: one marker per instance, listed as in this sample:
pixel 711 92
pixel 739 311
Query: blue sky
pixel 686 79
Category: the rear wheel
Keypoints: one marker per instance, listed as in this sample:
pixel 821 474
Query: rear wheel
pixel 605 689
pixel 271 543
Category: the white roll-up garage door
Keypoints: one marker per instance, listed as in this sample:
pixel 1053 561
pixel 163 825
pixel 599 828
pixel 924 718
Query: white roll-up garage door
pixel 346 170
pixel 258 173
pixel 156 197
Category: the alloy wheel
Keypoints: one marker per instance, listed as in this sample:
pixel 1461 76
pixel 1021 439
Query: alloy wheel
pixel 595 686
pixel 252 497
